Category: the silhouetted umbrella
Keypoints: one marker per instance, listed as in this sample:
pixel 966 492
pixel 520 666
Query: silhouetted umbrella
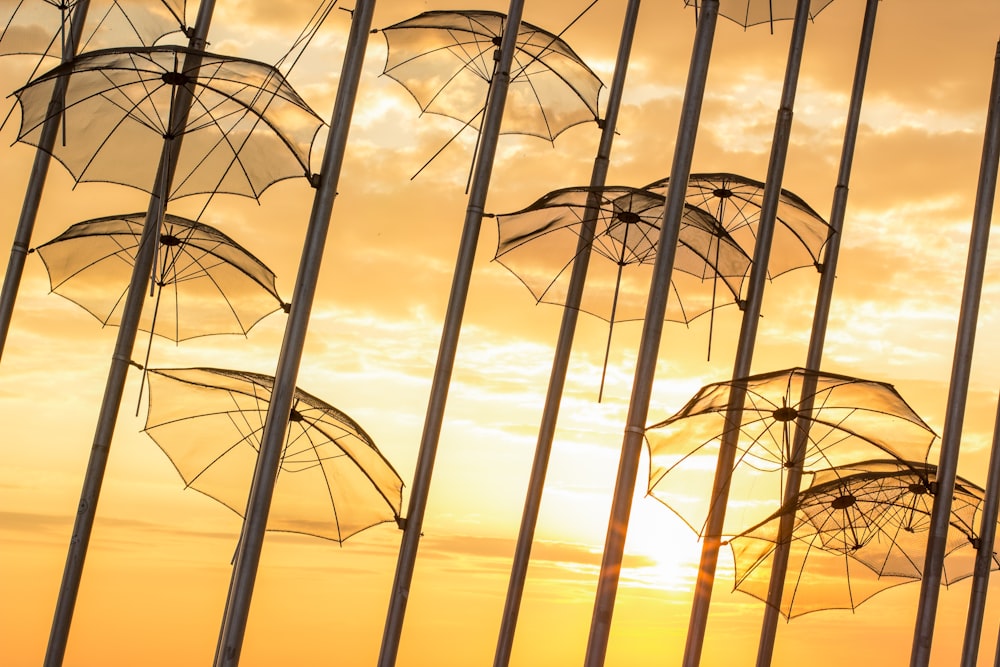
pixel 332 481
pixel 205 282
pixel 540 243
pixel 444 59
pixel 849 419
pixel 858 529
pixel 40 27
pixel 753 12
pixel 246 130
pixel 800 233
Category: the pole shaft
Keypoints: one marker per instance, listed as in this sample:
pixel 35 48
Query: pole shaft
pixel 560 363
pixel 984 554
pixel 930 584
pixel 779 564
pixel 282 394
pixel 712 540
pixel 449 340
pixel 36 180
pixel 120 359
pixel 652 331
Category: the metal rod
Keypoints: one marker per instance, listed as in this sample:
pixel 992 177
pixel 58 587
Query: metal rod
pixel 930 584
pixel 652 332
pixel 121 357
pixel 564 345
pixel 36 179
pixel 276 422
pixel 449 341
pixel 984 554
pixel 814 357
pixel 712 539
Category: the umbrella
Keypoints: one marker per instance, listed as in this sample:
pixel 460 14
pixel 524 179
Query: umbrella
pixel 246 130
pixel 752 12
pixel 848 419
pixel 444 59
pixel 205 282
pixel 800 233
pixel 332 481
pixel 144 22
pixel 540 243
pixel 41 27
pixel 858 529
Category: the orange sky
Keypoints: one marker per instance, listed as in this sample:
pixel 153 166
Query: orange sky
pixel 158 566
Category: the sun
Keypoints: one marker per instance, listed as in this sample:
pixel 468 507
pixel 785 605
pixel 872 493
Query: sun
pixel 666 549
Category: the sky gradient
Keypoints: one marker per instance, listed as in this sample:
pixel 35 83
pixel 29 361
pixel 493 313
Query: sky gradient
pixel 159 563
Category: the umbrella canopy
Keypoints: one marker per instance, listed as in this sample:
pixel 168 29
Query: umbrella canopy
pixel 850 419
pixel 205 282
pixel 445 60
pixel 246 130
pixel 753 12
pixel 538 244
pixel 40 27
pixel 332 482
pixel 858 529
pixel 800 233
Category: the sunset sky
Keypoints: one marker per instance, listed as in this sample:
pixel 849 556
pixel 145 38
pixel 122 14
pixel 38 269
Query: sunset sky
pixel 158 567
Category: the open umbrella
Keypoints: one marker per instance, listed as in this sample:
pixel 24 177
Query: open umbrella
pixel 332 481
pixel 800 232
pixel 540 243
pixel 753 12
pixel 205 282
pixel 41 27
pixel 849 419
pixel 858 529
pixel 247 128
pixel 444 59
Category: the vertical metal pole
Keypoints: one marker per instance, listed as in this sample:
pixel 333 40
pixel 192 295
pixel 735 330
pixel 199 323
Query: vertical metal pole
pixel 744 353
pixel 814 357
pixel 121 357
pixel 36 180
pixel 560 363
pixel 276 422
pixel 449 340
pixel 930 584
pixel 652 332
pixel 984 554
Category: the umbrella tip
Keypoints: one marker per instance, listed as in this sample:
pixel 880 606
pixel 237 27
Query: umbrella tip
pixel 401 522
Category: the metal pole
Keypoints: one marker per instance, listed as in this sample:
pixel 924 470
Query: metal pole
pixel 449 339
pixel 930 584
pixel 36 180
pixel 984 554
pixel 560 363
pixel 121 357
pixel 652 331
pixel 744 353
pixel 814 357
pixel 290 357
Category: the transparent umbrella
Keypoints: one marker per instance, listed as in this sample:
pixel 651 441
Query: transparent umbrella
pixel 247 128
pixel 333 482
pixel 540 243
pixel 848 419
pixel 858 529
pixel 205 283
